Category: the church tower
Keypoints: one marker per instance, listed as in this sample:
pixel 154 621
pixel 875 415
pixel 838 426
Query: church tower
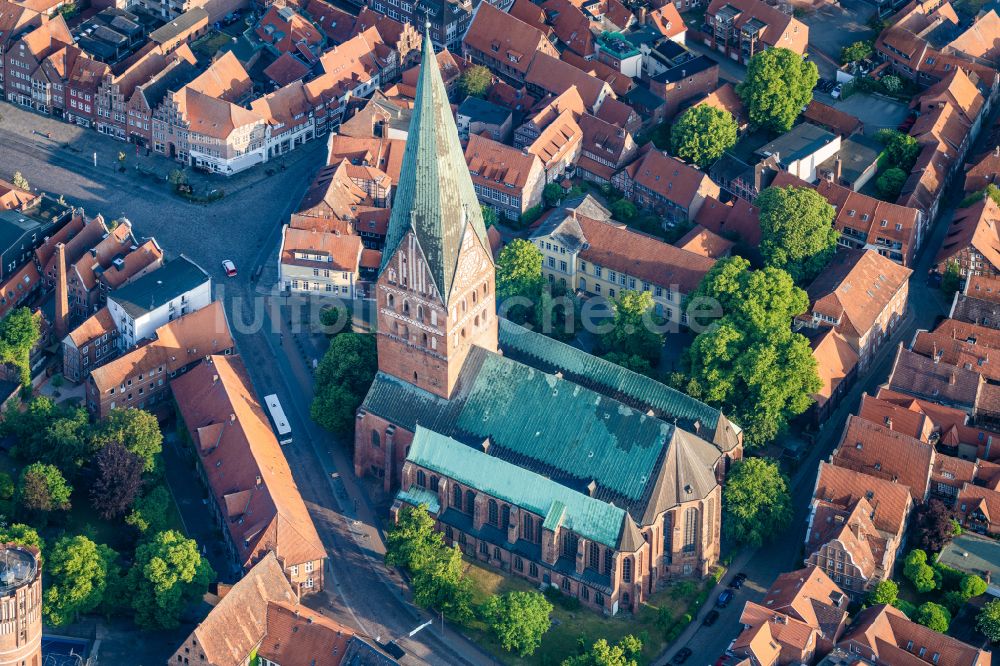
pixel 435 289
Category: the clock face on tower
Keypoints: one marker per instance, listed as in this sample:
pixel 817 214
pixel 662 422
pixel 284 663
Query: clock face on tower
pixel 472 261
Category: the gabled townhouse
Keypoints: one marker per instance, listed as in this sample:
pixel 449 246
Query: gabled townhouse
pixel 114 115
pixel 25 82
pixel 800 618
pixel 932 380
pixel 23 285
pixel 972 243
pixel 978 302
pixel 503 43
pixel 81 89
pixel 861 294
pixel 619 82
pixel 549 75
pixel 352 69
pixel 571 26
pixel 908 419
pixel 666 20
pixel 983 170
pixel 177 288
pixel 256 501
pixel 961 344
pixel 837 368
pixel 508 180
pixel 893 230
pixel 324 263
pixel 545 112
pixel 140 377
pixel 289 116
pixel 606 149
pixel 619 114
pixel 883 634
pixel 558 146
pixel 403 37
pixel 90 345
pixel 583 248
pixel 978 509
pixel 15 20
pixel 148 96
pixel 21 233
pixel 979 42
pixel 742 28
pixel 881 452
pixel 666 185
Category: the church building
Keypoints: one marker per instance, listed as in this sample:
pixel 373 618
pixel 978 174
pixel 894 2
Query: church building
pixel 532 455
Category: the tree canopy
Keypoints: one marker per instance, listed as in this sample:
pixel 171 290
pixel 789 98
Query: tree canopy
pixel 22 535
pixel 756 501
pixel 342 380
pixel 934 527
pixel 857 51
pixel 490 217
pixel 168 574
pixel 884 592
pixel 135 429
pixel 778 85
pixel 624 653
pixel 933 616
pixel 920 573
pixel 890 183
pixel 988 620
pixel 519 280
pixel 19 332
pixel 623 210
pixel 475 81
pixel 149 512
pixel 702 134
pixel 42 489
pixel 972 586
pixel 518 620
pixel 634 327
pixel 76 576
pixel 117 482
pixel 797 231
pixel 749 362
pixel 19 181
pixel 901 150
pixel 552 193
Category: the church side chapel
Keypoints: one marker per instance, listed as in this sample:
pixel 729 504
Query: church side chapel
pixel 533 456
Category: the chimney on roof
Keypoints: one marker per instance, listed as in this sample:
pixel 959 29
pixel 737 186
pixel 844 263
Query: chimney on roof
pixel 62 294
pixel 888 422
pixel 259 480
pixel 641 16
pixel 952 378
pixel 232 418
pixel 838 168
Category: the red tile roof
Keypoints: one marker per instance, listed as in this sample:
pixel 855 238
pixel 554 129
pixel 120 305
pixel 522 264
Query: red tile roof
pixel 975 227
pixel 502 36
pixel 835 360
pixel 873 449
pixel 891 502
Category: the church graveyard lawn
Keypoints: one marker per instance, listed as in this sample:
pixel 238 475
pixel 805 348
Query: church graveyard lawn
pixel 570 628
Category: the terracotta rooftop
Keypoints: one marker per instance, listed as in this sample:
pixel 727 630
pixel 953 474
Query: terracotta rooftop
pixel 22 281
pixel 244 465
pixel 706 243
pixel 738 218
pixel 873 449
pixel 832 119
pixel 224 79
pixel 344 251
pixel 286 69
pixel 808 595
pixel 855 531
pixel 922 377
pixel 962 344
pixel 907 419
pixel 835 360
pixel 13 197
pixel 974 227
pixel 887 632
pixel 92 328
pixel 981 39
pixel 726 99
pixel 491 162
pixel 554 76
pixel 856 288
pixel 891 502
pixel 504 37
pixel 571 26
pixel 670 178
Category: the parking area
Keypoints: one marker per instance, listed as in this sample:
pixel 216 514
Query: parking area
pixel 875 112
pixel 833 27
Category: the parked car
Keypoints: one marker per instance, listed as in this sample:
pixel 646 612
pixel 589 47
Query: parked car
pixel 229 267
pixel 710 619
pixel 835 93
pixel 681 656
pixel 736 583
pixel 724 598
pixel 729 650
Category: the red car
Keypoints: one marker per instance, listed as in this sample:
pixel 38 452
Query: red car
pixel 229 267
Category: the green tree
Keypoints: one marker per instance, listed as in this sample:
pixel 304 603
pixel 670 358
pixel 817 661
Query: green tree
pixel 519 280
pixel 50 433
pixel 412 541
pixel 441 584
pixel 168 574
pixel 623 210
pixel 117 481
pixel 778 85
pixel 951 281
pixel 7 486
pixel 490 217
pixel 855 52
pixel 901 150
pixel 552 194
pixel 634 327
pixel 475 81
pixel 797 231
pixel 988 620
pixel 149 513
pixel 76 576
pixel 20 182
pixel 624 653
pixel 42 488
pixel 135 429
pixel 884 592
pixel 972 586
pixel 22 535
pixel 755 501
pixel 518 620
pixel 892 83
pixel 702 134
pixel 920 573
pixel 19 332
pixel 890 183
pixel 335 319
pixel 342 379
pixel 177 178
pixel 749 362
pixel 933 616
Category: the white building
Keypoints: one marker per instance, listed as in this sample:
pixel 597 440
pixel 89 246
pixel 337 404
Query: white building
pixel 138 309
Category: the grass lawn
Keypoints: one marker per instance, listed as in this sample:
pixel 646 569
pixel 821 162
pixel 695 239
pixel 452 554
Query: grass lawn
pixel 571 627
pixel 209 45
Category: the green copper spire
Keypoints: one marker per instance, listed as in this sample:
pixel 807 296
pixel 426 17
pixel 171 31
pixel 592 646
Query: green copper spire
pixel 434 197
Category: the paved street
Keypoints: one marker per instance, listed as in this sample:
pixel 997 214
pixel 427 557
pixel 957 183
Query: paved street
pixel 244 227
